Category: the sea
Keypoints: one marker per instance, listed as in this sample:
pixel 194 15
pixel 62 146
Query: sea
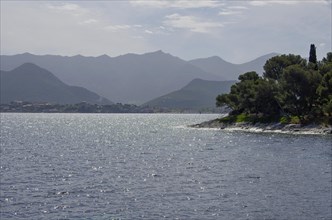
pixel 153 166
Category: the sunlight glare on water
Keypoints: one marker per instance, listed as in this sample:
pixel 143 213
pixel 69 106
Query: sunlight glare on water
pixel 151 166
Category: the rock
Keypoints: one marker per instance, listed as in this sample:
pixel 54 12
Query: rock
pixel 292 127
pixel 271 127
pixel 327 131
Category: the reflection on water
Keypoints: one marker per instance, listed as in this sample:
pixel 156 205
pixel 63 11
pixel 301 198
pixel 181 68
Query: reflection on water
pixel 136 166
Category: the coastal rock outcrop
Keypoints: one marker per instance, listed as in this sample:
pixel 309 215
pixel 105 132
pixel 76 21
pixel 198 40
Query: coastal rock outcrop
pixel 265 128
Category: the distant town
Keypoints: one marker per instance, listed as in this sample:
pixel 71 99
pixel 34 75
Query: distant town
pixel 84 107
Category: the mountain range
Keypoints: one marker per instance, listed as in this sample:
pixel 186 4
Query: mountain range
pixel 29 82
pixel 134 78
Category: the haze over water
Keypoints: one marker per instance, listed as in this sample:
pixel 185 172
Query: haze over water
pixel 137 166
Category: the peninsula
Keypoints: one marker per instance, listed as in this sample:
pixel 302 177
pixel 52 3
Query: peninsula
pixel 293 95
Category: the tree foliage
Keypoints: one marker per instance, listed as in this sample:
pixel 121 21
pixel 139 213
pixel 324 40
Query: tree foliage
pixel 299 87
pixel 312 54
pixel 289 87
pixel 274 67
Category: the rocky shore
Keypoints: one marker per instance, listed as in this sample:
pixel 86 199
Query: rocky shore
pixel 266 128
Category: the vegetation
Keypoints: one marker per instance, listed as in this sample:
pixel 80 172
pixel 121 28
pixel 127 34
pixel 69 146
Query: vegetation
pixel 312 54
pixel 291 90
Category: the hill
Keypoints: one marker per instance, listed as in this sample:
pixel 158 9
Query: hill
pixel 30 82
pixel 229 71
pixel 197 95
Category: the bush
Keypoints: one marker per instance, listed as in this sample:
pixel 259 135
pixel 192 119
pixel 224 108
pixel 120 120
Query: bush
pixel 284 120
pixel 295 120
pixel 242 118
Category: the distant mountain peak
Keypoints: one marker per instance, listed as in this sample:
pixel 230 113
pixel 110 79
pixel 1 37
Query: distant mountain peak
pixel 29 67
pixel 79 56
pixel 217 58
pixel 104 56
pixel 210 59
pixel 26 54
pixel 154 53
pixel 272 54
pixel 157 52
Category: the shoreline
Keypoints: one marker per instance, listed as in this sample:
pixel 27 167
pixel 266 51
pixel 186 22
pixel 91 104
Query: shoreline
pixel 266 128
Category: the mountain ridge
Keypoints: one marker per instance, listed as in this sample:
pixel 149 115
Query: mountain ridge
pixel 140 54
pixel 230 71
pixel 129 78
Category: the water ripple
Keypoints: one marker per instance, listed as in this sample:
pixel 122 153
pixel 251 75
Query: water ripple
pixel 137 166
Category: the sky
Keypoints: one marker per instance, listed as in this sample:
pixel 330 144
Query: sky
pixel 237 31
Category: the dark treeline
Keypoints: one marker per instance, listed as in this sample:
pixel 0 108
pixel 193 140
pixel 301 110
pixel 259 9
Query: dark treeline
pixel 291 89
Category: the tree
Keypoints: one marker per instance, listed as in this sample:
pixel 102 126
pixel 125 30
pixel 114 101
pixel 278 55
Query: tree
pixel 328 57
pixel 274 67
pixel 326 64
pixel 249 76
pixel 242 94
pixel 312 54
pixel 290 86
pixel 266 98
pixel 229 100
pixel 312 58
pixel 299 86
pixel 324 90
pixel 325 93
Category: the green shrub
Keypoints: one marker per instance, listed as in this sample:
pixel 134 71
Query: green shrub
pixel 242 118
pixel 284 120
pixel 295 120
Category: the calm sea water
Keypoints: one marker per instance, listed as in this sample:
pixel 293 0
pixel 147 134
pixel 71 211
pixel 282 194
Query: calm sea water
pixel 151 166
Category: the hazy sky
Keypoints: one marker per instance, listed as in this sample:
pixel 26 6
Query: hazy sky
pixel 237 31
